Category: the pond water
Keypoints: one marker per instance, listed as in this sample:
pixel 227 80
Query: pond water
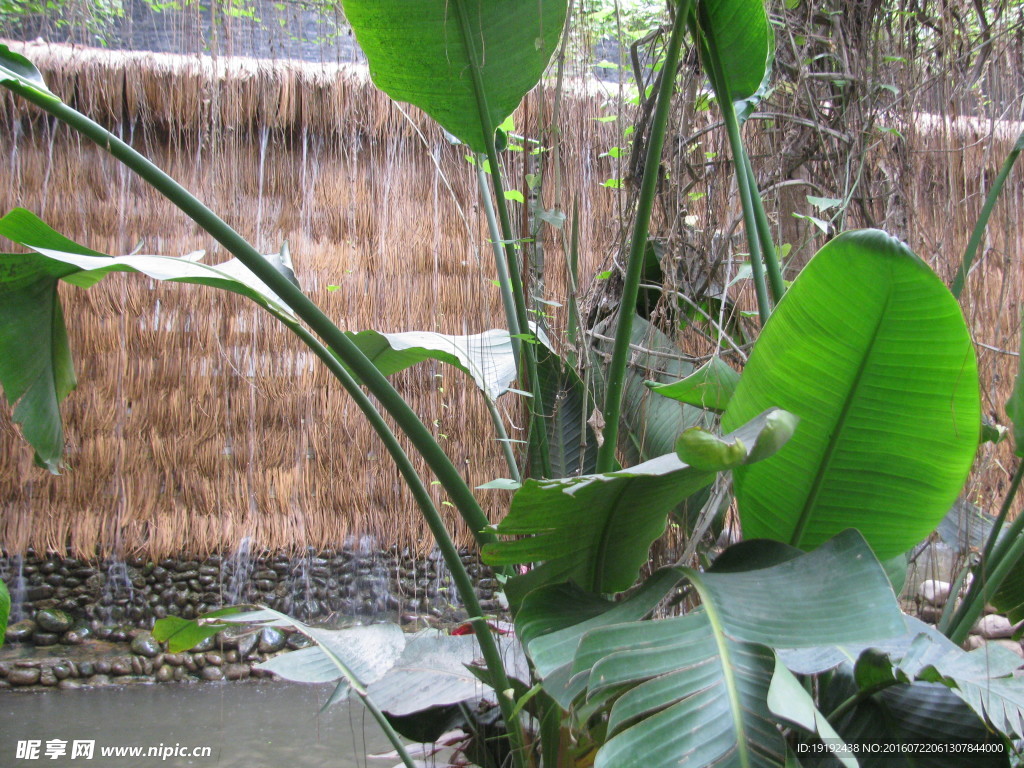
pixel 255 725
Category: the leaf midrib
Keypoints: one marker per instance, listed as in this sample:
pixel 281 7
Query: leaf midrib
pixel 810 501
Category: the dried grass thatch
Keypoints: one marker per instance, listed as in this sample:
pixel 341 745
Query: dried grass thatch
pixel 199 421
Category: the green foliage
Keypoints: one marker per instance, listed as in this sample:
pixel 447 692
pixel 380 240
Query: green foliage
pixel 419 52
pixel 5 609
pixel 882 373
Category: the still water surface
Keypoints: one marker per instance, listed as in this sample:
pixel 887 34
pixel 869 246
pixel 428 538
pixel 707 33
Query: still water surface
pixel 247 724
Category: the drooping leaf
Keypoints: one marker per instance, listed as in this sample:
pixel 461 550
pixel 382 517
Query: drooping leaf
pixel 698 686
pixel 710 386
pixel 430 672
pixel 424 52
pixel 36 370
pixel 368 651
pixel 596 530
pixel 752 442
pixel 871 351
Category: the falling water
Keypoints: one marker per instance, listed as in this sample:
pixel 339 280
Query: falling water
pixel 236 573
pixel 18 588
pixel 118 592
pixel 264 135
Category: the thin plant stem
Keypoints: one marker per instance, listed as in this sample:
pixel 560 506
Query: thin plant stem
pixel 350 354
pixel 616 376
pixel 986 213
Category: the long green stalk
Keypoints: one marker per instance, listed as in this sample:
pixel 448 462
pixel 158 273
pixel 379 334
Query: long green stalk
pixel 986 213
pixel 1003 556
pixel 538 430
pixel 764 234
pixel 732 127
pixel 291 295
pixel 645 204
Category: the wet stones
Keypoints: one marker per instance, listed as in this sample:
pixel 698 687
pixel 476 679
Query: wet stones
pixel 271 640
pixel 20 631
pixel 146 645
pixel 55 621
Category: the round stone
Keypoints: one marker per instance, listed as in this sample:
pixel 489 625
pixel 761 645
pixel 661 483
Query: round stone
pixel 20 631
pixel 211 673
pixel 145 645
pixel 934 591
pixel 271 640
pixel 45 638
pixel 23 676
pixel 165 674
pixel 54 620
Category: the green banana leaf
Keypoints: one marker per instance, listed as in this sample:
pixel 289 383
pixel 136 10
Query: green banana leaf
pixel 36 368
pixel 5 608
pixel 710 386
pixel 596 530
pixel 466 63
pixel 743 36
pixel 920 715
pixel 871 351
pixel 697 686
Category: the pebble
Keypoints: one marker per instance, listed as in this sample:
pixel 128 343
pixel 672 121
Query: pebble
pixel 23 676
pixel 212 673
pixel 993 626
pixel 45 638
pixel 20 631
pixel 271 640
pixel 146 645
pixel 165 673
pixel 236 671
pixel 54 620
pixel 934 591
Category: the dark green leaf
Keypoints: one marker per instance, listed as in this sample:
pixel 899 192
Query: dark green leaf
pixel 5 609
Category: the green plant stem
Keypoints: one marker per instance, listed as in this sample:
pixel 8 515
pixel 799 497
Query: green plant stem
pixel 986 213
pixel 764 234
pixel 506 445
pixel 504 284
pixel 449 477
pixel 616 376
pixel 732 127
pixel 997 562
pixel 538 430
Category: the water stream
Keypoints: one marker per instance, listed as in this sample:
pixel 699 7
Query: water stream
pixel 246 725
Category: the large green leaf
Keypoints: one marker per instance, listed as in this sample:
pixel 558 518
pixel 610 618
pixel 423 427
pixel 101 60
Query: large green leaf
pixel 424 52
pixel 871 351
pixel 743 37
pixel 710 386
pixel 36 370
pixel 694 690
pixel 596 530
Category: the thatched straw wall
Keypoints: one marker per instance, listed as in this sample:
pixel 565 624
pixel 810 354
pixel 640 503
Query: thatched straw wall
pixel 198 421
